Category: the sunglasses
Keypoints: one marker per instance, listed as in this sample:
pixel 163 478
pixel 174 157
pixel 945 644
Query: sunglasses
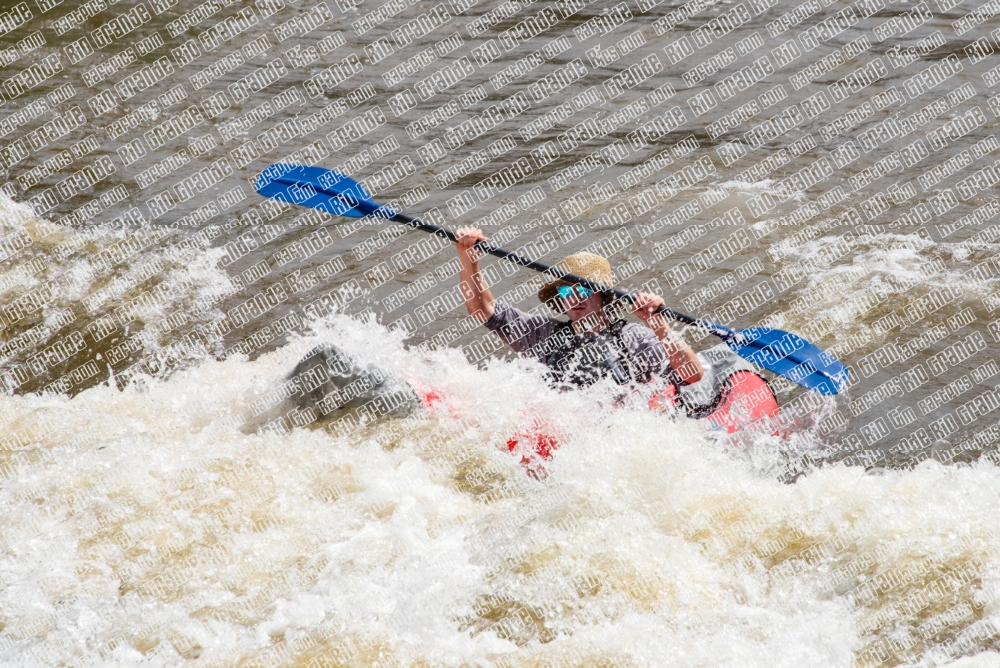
pixel 566 291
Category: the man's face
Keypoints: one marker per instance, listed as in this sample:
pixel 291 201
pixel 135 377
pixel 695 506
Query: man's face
pixel 578 307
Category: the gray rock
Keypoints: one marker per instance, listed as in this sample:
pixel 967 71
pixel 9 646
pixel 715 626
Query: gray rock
pixel 332 383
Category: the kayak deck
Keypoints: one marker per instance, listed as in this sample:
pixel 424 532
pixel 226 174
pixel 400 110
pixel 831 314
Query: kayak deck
pixel 731 394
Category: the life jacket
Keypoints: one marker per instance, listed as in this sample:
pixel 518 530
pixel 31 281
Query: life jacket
pixel 580 360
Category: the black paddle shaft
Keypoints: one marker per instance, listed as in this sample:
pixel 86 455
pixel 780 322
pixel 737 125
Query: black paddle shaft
pixel 554 272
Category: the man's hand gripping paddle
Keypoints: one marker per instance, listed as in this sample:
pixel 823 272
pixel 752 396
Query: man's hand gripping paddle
pixel 783 353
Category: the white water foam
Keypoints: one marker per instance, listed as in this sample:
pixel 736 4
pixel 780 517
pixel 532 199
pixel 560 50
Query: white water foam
pixel 143 525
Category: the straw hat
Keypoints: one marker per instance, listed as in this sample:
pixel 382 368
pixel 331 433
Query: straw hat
pixel 587 265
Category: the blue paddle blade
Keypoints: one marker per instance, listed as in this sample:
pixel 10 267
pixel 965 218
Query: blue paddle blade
pixel 319 188
pixel 790 356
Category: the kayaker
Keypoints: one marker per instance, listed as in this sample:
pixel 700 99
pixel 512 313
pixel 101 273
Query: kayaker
pixel 590 346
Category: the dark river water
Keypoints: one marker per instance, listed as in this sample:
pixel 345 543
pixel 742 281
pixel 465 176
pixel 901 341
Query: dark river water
pixel 824 168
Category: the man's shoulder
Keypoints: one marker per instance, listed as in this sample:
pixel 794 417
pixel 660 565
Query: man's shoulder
pixel 520 329
pixel 507 310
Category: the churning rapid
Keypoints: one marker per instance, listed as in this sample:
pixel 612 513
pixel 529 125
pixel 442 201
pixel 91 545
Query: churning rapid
pixel 146 524
pixel 824 167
